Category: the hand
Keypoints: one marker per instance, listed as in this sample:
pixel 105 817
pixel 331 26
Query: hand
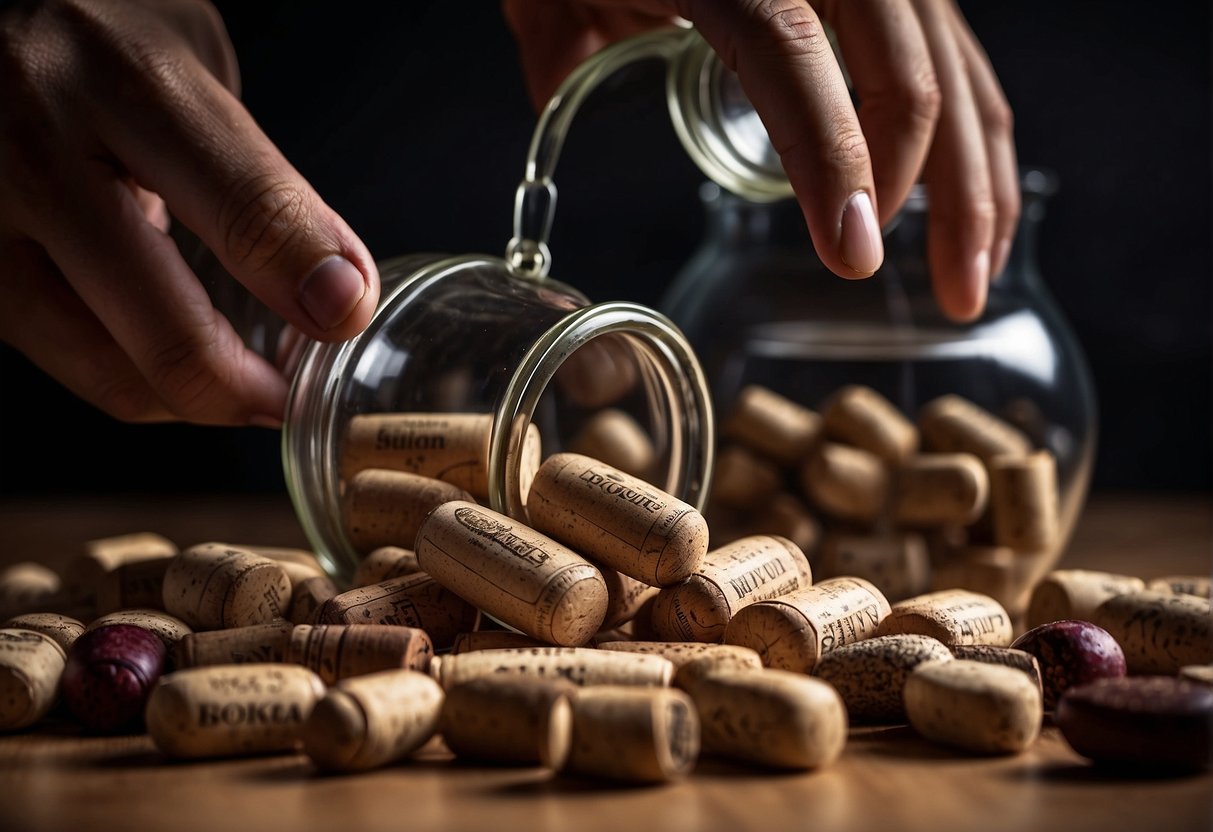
pixel 930 108
pixel 117 113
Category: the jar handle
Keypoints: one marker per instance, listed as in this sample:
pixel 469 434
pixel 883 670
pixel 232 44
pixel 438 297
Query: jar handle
pixel 527 254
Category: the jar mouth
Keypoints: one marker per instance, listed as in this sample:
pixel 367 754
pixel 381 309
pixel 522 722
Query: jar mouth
pixel 669 370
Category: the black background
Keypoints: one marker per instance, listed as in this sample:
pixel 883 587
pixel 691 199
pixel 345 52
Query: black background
pixel 412 121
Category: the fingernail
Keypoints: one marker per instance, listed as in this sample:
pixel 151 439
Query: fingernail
pixel 330 293
pixel 862 248
pixel 258 420
pixel 1002 251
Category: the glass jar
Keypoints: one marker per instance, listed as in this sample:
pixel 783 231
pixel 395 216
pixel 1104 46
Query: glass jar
pixel 760 308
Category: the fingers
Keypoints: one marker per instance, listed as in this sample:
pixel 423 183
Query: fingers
pixel 784 61
pixel 887 58
pixel 997 123
pixel 181 134
pixel 132 278
pixel 957 175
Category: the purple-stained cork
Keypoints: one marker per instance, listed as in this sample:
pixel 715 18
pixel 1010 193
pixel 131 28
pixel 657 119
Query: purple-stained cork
pixel 1147 722
pixel 109 675
pixel 1071 652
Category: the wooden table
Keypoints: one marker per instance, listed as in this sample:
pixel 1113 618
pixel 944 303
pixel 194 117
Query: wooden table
pixel 54 779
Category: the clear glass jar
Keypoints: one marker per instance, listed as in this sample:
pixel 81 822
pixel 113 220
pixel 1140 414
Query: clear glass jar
pixel 760 308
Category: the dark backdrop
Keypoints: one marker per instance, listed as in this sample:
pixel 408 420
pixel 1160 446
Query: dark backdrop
pixel 411 120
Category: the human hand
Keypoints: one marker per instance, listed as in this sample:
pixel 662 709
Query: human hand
pixel 930 109
pixel 117 113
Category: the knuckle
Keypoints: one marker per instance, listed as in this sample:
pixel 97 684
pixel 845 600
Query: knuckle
pixel 262 218
pixel 998 116
pixel 796 29
pixel 923 97
pixel 848 150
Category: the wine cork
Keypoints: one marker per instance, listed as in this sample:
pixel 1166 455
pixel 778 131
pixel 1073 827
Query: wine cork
pixel 988 570
pixel 139 583
pixel 795 631
pixel 339 651
pixel 512 572
pixel 951 424
pixel 786 515
pixel 940 490
pixel 411 601
pixel 309 596
pixel 370 721
pixel 772 718
pixel 385 563
pixel 870 675
pixel 212 585
pixel 600 372
pixel 453 447
pixel 1023 501
pixel 85 572
pixel 644 735
pixel 1066 594
pixel 1197 585
pixel 772 425
pixel 231 710
pixel 31 665
pixel 614 437
pixel 896 563
pixel 617 520
pixel 979 707
pixel 751 569
pixel 625 595
pixel 1007 656
pixel 847 483
pixel 954 616
pixel 579 665
pixel 493 640
pixel 27 587
pixel 508 719
pixel 1158 632
pixel 858 415
pixel 109 674
pixel 385 508
pixel 692 660
pixel 168 628
pixel 254 644
pixel 743 480
pixel 62 629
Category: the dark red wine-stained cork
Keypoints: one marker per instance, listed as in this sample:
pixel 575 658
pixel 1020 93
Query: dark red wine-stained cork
pixel 109 675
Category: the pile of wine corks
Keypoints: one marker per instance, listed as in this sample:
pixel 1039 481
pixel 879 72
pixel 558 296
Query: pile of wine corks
pixel 949 497
pixel 607 637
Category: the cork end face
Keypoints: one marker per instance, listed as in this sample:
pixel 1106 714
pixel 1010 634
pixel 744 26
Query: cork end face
pixel 556 734
pixel 579 613
pixel 334 732
pixel 259 595
pixel 677 758
pixel 683 551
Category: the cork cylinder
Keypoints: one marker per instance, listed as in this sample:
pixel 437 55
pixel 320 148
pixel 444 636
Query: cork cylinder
pixel 519 576
pixel 110 672
pixel 952 424
pixel 773 718
pixel 1067 594
pixel 940 490
pixel 1158 632
pixel 231 710
pixel 641 735
pixel 579 665
pixel 385 508
pixel 62 629
pixel 339 651
pixel 509 720
pixel 309 596
pixel 385 563
pixel 453 447
pixel 870 675
pixel 858 415
pixel 772 425
pixel 31 665
pixel 795 631
pixel 754 568
pixel 954 616
pixel 692 660
pixel 85 573
pixel 617 520
pixel 415 600
pixel 614 437
pixel 212 585
pixel 27 586
pixel 625 597
pixel 979 707
pixel 1023 501
pixel 139 584
pixel 369 721
pixel 848 483
pixel 256 643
